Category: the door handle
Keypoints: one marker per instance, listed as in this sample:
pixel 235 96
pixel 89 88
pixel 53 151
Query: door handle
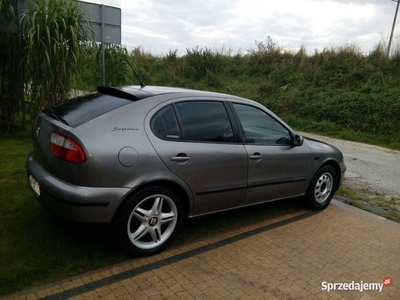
pixel 256 156
pixel 180 158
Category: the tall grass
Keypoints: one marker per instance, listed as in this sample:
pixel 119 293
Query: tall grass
pixel 119 68
pixel 54 31
pixel 341 86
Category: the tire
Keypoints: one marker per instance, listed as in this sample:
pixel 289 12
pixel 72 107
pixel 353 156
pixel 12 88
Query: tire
pixel 149 221
pixel 322 188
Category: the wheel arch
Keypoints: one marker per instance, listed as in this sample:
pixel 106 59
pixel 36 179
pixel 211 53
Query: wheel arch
pixel 164 183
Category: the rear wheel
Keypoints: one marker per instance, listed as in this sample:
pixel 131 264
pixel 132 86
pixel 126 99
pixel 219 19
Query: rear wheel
pixel 322 188
pixel 149 221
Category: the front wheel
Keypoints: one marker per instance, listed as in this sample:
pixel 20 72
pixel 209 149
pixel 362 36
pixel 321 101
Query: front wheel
pixel 322 188
pixel 148 222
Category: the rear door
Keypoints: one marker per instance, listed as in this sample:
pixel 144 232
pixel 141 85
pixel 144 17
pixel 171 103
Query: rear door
pixel 277 168
pixel 196 141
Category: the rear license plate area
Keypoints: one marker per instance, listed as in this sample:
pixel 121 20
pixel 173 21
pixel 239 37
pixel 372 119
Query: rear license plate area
pixel 35 186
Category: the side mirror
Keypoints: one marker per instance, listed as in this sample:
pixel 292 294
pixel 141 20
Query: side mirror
pixel 298 140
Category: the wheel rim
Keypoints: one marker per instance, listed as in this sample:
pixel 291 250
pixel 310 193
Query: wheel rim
pixel 152 221
pixel 323 188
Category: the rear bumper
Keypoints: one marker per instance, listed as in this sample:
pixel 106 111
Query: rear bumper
pixel 72 202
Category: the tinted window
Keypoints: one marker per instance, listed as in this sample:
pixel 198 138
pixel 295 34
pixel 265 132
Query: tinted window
pixel 83 109
pixel 261 128
pixel 164 124
pixel 205 121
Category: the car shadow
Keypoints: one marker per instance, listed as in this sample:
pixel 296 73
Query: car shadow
pixel 92 237
pixel 200 227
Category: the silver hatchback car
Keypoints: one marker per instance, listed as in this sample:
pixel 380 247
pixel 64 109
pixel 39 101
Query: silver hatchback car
pixel 147 158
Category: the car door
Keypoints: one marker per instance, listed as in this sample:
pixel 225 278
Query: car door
pixel 195 140
pixel 277 168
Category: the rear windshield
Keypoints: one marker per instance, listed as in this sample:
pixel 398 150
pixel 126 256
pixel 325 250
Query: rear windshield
pixel 83 109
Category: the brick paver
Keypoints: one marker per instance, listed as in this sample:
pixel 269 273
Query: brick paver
pixel 284 258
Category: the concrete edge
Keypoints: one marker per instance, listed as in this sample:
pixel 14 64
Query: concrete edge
pixel 364 213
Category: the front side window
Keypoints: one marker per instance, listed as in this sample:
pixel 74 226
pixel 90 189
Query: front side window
pixel 261 128
pixel 205 121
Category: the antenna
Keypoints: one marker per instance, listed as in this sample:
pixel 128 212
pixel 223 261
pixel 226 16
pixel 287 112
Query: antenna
pixel 142 84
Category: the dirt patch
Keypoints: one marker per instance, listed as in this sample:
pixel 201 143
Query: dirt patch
pixel 370 199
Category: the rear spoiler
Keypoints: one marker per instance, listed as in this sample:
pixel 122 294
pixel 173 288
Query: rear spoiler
pixel 116 92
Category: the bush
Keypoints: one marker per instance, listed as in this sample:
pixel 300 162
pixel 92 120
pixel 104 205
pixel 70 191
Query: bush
pixel 356 111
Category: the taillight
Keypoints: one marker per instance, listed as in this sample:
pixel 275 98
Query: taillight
pixel 66 149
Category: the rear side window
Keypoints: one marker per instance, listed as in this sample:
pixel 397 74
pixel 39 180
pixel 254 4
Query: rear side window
pixel 164 124
pixel 205 121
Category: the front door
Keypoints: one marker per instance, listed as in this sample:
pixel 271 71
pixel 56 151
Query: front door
pixel 277 168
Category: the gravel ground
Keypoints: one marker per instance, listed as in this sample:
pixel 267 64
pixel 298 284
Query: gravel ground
pixel 373 172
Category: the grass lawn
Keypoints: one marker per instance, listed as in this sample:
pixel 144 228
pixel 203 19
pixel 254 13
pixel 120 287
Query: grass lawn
pixel 37 248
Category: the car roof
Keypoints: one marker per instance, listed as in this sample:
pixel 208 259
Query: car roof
pixel 136 92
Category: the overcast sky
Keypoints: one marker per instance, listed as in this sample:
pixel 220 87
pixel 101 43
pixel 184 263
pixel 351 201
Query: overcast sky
pixel 159 26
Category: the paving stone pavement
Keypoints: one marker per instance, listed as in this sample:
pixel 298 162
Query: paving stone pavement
pixel 289 257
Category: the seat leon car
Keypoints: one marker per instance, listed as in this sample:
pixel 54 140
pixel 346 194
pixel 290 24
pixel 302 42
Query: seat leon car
pixel 145 158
